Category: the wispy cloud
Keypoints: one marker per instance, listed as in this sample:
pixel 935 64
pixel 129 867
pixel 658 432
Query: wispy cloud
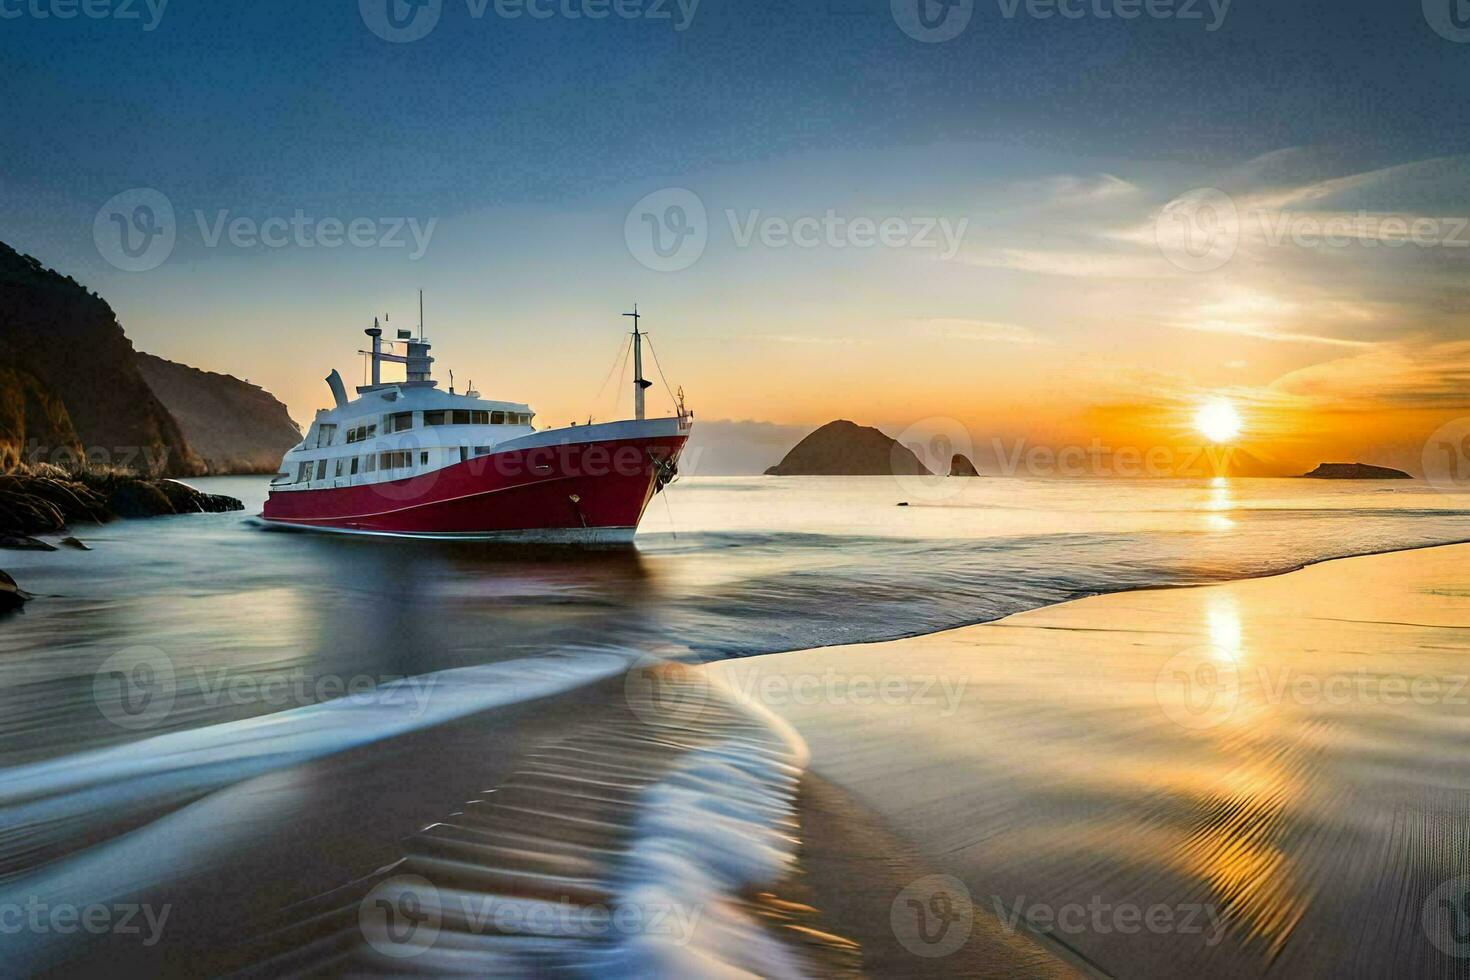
pixel 988 331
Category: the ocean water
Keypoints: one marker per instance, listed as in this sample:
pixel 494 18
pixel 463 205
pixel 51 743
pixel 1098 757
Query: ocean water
pixel 172 679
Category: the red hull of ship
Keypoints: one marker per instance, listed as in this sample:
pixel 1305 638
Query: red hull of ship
pixel 594 491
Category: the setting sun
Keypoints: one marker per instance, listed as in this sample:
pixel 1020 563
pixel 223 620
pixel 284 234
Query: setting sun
pixel 1218 421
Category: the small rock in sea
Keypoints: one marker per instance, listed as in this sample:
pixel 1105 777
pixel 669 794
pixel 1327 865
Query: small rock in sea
pixel 71 542
pixel 22 542
pixel 12 596
pixel 903 503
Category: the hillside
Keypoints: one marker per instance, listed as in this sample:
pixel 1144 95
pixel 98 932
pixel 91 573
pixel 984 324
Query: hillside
pixel 74 369
pixel 235 426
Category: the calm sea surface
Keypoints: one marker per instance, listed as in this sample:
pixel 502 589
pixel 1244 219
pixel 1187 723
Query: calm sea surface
pixel 722 568
pixel 185 655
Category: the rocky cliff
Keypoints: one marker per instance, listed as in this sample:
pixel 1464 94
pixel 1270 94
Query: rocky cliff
pixel 844 448
pixel 235 426
pixel 73 389
pixel 77 385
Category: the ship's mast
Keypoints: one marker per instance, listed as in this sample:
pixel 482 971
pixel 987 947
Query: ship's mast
pixel 639 384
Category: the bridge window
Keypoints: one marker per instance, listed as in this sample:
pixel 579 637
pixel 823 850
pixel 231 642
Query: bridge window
pixel 303 472
pixel 461 416
pixel 482 418
pixel 324 434
pixel 321 469
pixel 354 466
pixel 436 418
pixel 398 422
pixel 497 418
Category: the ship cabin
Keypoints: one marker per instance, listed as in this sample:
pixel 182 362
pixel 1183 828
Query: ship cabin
pixel 396 430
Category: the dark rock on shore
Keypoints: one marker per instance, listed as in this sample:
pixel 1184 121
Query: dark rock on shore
pixel 844 448
pixel 47 499
pixel 12 596
pixel 22 542
pixel 1355 471
pixel 961 466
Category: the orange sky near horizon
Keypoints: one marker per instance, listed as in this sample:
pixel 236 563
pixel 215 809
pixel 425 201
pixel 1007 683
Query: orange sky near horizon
pixel 1068 316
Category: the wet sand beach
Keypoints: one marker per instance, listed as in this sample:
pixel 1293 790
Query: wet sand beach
pixel 1267 777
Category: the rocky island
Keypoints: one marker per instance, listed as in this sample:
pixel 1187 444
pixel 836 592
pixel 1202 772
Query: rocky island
pixel 1355 471
pixel 960 465
pixel 844 448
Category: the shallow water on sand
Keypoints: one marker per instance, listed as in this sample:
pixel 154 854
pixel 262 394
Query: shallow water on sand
pixel 190 627
pixel 1276 770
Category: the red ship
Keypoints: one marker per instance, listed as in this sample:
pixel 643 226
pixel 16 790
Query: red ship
pixel 407 459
